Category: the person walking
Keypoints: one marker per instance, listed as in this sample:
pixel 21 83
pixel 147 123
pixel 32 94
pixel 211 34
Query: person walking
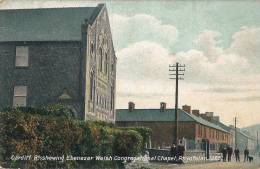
pixel 224 154
pixel 237 154
pixel 246 153
pixel 229 152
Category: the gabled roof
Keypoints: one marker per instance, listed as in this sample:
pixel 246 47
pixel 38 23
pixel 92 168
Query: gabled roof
pixel 155 115
pixel 45 24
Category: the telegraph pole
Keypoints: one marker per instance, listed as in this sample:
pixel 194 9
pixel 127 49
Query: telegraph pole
pixel 176 73
pixel 257 143
pixel 235 132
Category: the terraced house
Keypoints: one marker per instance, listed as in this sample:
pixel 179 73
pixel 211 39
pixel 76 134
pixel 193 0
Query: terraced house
pixel 193 129
pixel 58 55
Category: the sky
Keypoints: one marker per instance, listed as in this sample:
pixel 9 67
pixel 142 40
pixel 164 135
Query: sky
pixel 218 41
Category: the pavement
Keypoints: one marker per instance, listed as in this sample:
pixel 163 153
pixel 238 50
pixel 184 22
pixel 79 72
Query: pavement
pixel 213 165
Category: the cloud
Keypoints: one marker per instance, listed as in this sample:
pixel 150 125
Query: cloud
pixel 143 60
pixel 143 72
pixel 245 99
pixel 208 42
pixel 209 63
pixel 246 43
pixel 226 90
pixel 141 27
pixel 206 63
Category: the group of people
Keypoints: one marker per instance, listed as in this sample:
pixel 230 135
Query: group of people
pixel 177 152
pixel 228 151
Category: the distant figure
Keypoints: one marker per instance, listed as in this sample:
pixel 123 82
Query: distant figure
pixel 173 152
pixel 229 152
pixel 224 154
pixel 237 154
pixel 246 153
pixel 180 150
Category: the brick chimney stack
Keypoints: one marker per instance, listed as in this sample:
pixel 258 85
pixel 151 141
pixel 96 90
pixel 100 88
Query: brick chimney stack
pixel 186 108
pixel 216 118
pixel 162 106
pixel 196 112
pixel 209 114
pixel 131 106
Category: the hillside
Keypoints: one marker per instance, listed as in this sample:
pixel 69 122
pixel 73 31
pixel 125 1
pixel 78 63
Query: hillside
pixel 253 130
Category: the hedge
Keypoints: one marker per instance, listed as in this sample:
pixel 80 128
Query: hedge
pixel 54 132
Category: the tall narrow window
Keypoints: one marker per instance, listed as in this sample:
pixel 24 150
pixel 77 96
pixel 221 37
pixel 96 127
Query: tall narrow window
pixel 112 99
pixel 100 59
pixel 106 63
pixel 20 95
pixel 22 56
pixel 91 91
pixel 92 48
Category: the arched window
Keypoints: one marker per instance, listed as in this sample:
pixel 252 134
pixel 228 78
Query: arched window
pixel 92 86
pixel 92 48
pixel 106 63
pixel 112 99
pixel 100 59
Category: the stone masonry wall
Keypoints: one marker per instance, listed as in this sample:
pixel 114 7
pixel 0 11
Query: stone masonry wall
pixel 53 66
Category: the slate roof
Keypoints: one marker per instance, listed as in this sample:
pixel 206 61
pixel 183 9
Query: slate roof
pixel 222 125
pixel 151 115
pixel 45 24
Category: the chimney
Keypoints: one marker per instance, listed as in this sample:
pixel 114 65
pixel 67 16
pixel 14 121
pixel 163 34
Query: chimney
pixel 186 108
pixel 205 116
pixel 216 118
pixel 209 114
pixel 162 106
pixel 131 106
pixel 196 112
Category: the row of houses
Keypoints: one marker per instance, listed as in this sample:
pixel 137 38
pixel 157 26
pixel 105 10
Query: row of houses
pixel 195 128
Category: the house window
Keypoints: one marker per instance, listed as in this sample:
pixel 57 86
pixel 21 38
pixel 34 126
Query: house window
pixel 20 95
pixel 22 56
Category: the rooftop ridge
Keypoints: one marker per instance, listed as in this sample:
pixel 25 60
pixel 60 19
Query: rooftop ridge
pixel 49 8
pixel 193 117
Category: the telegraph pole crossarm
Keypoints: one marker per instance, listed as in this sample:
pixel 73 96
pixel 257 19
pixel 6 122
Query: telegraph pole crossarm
pixel 176 73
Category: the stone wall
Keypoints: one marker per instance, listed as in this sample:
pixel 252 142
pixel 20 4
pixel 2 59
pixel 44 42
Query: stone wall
pixel 53 67
pixel 102 106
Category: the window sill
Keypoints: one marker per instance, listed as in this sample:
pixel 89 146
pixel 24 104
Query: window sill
pixel 21 67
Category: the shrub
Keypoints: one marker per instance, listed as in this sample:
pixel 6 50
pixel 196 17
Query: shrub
pixel 144 132
pixel 127 143
pixel 50 131
pixel 50 110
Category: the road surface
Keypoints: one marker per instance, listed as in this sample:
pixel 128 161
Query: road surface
pixel 215 165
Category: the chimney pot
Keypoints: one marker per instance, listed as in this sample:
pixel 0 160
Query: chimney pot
pixel 209 114
pixel 162 106
pixel 216 118
pixel 186 108
pixel 131 106
pixel 196 112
